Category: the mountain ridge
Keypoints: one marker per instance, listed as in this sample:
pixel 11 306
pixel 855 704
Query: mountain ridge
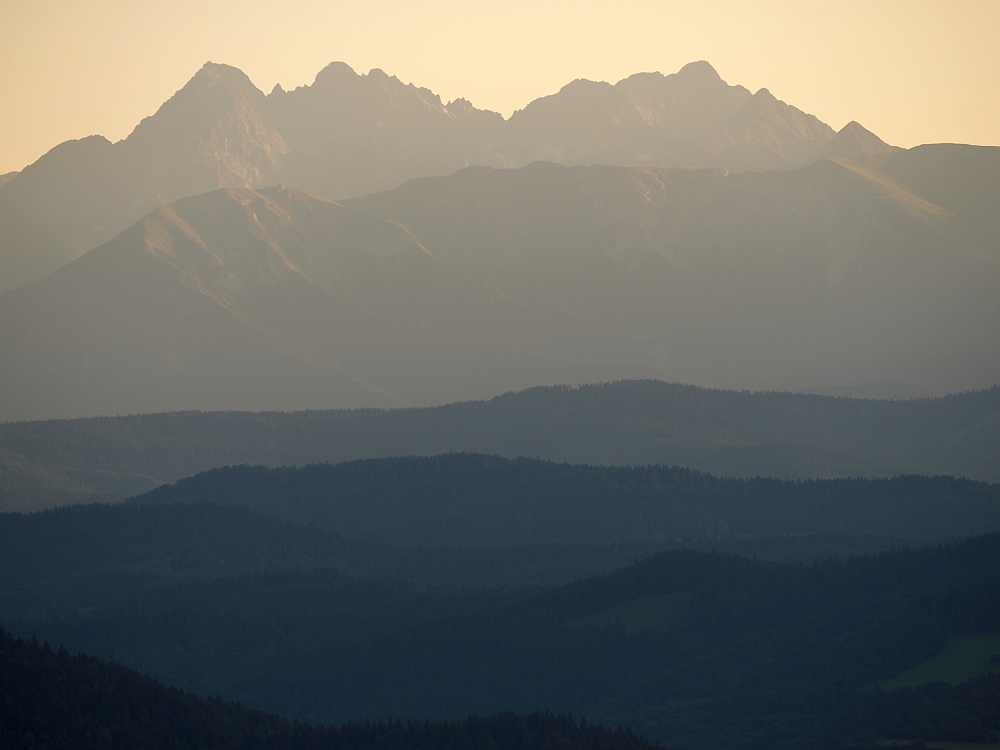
pixel 489 280
pixel 631 423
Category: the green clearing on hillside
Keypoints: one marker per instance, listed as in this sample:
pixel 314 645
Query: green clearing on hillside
pixel 661 612
pixel 963 658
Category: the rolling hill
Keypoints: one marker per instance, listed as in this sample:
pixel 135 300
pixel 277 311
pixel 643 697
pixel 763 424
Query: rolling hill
pixel 475 500
pixel 782 435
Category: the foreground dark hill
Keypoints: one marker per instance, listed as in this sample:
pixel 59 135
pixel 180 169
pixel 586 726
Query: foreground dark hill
pixel 475 500
pixel 462 287
pixel 53 699
pixel 693 649
pixel 349 135
pixel 627 423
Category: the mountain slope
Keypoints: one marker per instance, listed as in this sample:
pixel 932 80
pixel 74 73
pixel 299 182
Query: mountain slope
pixel 462 287
pixel 765 133
pixel 833 274
pixel 55 699
pixel 247 299
pixel 159 317
pixel 210 134
pixel 349 135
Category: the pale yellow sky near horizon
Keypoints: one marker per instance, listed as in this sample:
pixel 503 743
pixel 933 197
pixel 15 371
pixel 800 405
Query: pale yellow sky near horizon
pixel 912 72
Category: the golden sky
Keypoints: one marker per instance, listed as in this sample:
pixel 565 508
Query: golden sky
pixel 913 72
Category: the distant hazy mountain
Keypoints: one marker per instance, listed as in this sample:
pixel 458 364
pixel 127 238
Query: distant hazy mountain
pixel 272 299
pixel 350 135
pixel 838 273
pixel 353 134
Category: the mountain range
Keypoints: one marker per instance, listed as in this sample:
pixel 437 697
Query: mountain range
pixel 349 135
pixel 843 272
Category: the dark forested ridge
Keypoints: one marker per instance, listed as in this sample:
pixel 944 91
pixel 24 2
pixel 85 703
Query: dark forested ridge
pixel 626 423
pixel 692 649
pixel 471 499
pixel 82 557
pixel 86 558
pixel 52 699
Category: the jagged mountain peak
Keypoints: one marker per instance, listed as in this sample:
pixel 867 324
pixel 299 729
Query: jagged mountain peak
pixel 854 141
pixel 214 132
pixel 339 85
pixel 213 87
pixel 764 106
pixel 212 73
pixel 460 107
pixel 335 73
pixel 700 70
pixel 581 86
pixel 698 73
pixel 338 76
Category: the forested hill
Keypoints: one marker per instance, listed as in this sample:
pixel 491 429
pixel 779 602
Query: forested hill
pixel 477 500
pixel 625 423
pixel 53 699
pixel 85 557
pixel 696 650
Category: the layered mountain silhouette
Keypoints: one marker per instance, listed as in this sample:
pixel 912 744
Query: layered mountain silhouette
pixel 460 287
pixel 349 135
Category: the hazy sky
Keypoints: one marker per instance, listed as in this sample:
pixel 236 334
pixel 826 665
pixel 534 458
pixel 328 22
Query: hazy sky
pixel 913 72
